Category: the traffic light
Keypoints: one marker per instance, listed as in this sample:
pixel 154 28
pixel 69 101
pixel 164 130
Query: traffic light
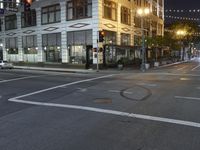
pixel 27 5
pixel 101 36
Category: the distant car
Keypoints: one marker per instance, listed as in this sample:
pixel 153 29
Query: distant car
pixel 5 65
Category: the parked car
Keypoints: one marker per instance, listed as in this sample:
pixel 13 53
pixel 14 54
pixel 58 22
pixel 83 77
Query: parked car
pixel 5 64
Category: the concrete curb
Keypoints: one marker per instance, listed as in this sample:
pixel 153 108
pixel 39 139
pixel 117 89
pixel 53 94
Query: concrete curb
pixel 55 69
pixel 168 65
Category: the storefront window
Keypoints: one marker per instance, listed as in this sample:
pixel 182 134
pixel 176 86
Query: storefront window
pixel 52 47
pixel 125 39
pixel 78 43
pixel 110 37
pixel 11 45
pixel 29 44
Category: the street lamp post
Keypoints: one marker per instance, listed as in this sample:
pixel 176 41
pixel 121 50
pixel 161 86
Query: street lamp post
pixel 142 12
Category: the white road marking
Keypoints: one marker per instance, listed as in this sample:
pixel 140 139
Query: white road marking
pixel 195 68
pixel 114 91
pixel 16 79
pixel 185 79
pixel 147 84
pixel 181 68
pixel 82 89
pixel 112 112
pixel 117 91
pixel 173 74
pixel 188 98
pixel 126 92
pixel 61 86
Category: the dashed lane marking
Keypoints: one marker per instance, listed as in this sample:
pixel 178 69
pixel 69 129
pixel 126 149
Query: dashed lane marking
pixel 188 98
pixel 111 112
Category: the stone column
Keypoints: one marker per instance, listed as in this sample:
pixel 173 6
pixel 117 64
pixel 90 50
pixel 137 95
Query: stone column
pixel 19 38
pixel 64 49
pixel 40 53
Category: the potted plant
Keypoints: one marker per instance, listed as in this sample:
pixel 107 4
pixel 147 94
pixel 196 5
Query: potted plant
pixel 120 64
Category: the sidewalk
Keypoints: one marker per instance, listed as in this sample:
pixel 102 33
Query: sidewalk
pixel 73 70
pixel 55 69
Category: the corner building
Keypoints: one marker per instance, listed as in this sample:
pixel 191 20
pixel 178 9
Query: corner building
pixel 66 31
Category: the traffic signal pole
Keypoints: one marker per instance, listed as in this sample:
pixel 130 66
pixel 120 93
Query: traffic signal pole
pixel 97 55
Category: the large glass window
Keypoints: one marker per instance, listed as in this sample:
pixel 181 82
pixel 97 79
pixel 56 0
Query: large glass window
pixel 29 44
pixel 52 47
pixel 78 9
pixel 28 18
pixel 11 22
pixel 11 45
pixel 125 15
pixel 51 14
pixel 110 37
pixel 110 10
pixel 125 39
pixel 77 43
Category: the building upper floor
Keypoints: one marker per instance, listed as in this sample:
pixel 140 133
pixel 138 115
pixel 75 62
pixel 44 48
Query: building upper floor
pixel 52 11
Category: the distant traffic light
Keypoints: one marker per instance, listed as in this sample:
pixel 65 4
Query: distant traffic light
pixel 27 5
pixel 101 36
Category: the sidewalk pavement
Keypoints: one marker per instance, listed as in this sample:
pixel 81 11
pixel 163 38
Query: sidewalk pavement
pixel 110 70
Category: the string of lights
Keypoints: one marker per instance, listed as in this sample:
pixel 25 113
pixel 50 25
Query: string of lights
pixel 183 11
pixel 182 18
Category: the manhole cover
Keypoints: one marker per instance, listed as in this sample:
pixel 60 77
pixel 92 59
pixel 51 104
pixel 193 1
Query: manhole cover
pixel 103 100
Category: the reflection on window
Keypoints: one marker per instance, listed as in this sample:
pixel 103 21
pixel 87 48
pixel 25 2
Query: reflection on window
pixel 110 10
pixel 78 54
pixel 125 39
pixel 52 47
pixel 51 14
pixel 29 44
pixel 110 37
pixel 125 15
pixel 11 22
pixel 11 45
pixel 78 9
pixel 28 18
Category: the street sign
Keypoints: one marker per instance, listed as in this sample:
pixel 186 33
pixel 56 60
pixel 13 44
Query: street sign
pixel 1 11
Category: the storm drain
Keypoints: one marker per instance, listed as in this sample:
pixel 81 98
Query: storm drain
pixel 103 101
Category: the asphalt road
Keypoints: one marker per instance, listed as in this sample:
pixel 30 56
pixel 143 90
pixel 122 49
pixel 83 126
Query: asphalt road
pixel 121 110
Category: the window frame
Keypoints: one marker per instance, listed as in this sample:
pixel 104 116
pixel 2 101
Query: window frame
pixel 49 11
pixel 32 14
pixel 110 7
pixel 125 15
pixel 13 20
pixel 73 6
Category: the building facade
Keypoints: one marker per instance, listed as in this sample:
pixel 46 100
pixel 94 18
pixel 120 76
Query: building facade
pixel 66 31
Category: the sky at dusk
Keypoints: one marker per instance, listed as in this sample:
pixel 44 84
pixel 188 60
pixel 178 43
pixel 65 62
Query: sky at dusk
pixel 185 5
pixel 182 4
